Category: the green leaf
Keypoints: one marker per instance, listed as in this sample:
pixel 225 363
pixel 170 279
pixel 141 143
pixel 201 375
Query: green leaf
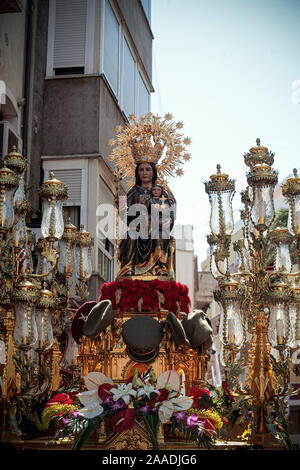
pixel 91 425
pixel 152 422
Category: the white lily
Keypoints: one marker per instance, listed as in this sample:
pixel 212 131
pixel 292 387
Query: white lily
pixel 168 407
pixel 123 391
pixel 146 389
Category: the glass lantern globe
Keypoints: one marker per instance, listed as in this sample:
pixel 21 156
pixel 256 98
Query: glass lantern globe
pixel 53 192
pixel 24 299
pixel 231 331
pixel 279 328
pixel 294 313
pixel 291 190
pixel 18 164
pixel 83 255
pixel 8 187
pixel 20 231
pixel 66 260
pixel 262 179
pixel 44 309
pixel 282 239
pixel 71 351
pixel 220 191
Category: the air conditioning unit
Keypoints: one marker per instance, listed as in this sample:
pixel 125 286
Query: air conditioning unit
pixel 8 138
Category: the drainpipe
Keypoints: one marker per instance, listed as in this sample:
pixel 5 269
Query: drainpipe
pixel 28 54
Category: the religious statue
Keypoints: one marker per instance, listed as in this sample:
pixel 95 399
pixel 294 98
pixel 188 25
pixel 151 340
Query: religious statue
pixel 148 151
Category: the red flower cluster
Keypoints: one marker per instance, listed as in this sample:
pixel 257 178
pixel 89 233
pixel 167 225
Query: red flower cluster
pixel 60 399
pixel 123 421
pixel 197 393
pixel 175 294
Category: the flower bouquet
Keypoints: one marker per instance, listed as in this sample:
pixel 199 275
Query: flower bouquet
pixel 143 397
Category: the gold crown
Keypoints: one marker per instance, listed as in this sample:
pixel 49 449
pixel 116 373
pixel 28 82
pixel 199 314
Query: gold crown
pixel 151 139
pixel 147 147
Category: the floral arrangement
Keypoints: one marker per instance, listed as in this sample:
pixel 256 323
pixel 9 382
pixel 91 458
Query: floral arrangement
pixel 147 295
pixel 144 398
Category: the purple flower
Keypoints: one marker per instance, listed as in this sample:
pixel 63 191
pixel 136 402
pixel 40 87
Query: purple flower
pixel 118 405
pixel 108 401
pixel 75 414
pixel 191 422
pixel 145 409
pixel 65 420
pixel 179 416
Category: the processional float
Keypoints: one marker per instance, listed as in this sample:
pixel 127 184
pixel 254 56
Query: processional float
pixel 138 350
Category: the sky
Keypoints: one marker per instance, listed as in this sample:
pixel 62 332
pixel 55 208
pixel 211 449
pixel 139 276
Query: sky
pixel 230 71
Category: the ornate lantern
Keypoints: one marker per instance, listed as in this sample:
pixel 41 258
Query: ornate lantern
pixel 8 187
pixel 53 192
pixel 83 255
pixel 44 309
pixel 282 239
pixel 295 315
pixel 66 262
pixel 18 164
pixel 24 298
pixel 291 190
pixel 231 331
pixel 262 179
pixel 20 229
pixel 220 191
pixel 279 329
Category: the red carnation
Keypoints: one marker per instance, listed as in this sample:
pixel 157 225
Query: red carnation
pixel 60 399
pixel 123 421
pixel 196 393
pixel 104 390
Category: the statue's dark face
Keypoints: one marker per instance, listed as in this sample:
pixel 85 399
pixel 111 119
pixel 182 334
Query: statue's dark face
pixel 145 173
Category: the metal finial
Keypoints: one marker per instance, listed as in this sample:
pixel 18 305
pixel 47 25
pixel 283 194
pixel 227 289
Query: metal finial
pixel 295 172
pixel 51 175
pixel 218 168
pixel 258 142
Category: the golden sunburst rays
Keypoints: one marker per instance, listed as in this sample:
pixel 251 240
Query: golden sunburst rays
pixel 154 139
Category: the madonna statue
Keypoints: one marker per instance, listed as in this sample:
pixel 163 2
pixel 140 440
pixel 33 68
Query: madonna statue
pixel 147 254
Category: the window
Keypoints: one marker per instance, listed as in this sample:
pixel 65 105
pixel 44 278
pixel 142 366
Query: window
pixel 111 48
pixel 70 37
pixel 120 67
pixel 105 261
pixel 143 97
pixel 128 80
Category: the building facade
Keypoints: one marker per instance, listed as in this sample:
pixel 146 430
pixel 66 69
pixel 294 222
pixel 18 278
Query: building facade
pixel 74 70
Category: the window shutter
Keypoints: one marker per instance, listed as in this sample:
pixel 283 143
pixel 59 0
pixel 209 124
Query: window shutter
pixel 70 33
pixel 128 81
pixel 72 179
pixel 111 48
